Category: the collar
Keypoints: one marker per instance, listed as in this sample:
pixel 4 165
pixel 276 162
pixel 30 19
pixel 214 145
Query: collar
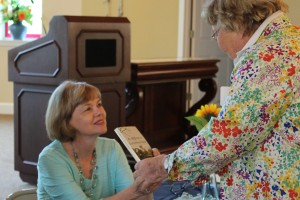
pixel 257 34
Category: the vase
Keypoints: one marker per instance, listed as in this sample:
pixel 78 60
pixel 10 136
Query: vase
pixel 18 31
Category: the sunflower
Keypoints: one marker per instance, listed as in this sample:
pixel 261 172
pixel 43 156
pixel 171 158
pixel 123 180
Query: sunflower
pixel 203 115
pixel 208 111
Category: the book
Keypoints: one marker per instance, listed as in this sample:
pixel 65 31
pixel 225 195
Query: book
pixel 135 142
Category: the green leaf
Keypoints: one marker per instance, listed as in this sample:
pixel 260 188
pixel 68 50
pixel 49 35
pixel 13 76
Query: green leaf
pixel 199 122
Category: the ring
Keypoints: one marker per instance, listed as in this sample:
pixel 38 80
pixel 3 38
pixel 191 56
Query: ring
pixel 147 191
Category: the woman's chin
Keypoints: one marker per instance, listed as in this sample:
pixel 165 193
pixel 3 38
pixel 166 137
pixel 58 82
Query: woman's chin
pixel 102 131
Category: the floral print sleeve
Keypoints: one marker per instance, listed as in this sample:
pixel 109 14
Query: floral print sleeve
pixel 254 143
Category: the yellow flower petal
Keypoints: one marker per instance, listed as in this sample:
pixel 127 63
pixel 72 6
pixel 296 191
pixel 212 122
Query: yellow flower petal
pixel 208 110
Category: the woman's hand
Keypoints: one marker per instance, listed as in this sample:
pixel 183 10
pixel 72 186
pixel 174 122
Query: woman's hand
pixel 150 172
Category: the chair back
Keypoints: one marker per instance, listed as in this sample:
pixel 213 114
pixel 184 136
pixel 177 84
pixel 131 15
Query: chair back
pixel 25 194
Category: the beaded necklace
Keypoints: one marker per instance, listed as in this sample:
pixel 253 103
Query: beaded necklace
pixel 93 171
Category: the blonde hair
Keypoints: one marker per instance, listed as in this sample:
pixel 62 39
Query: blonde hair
pixel 241 15
pixel 61 105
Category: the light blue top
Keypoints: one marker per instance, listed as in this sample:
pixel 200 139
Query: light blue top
pixel 58 176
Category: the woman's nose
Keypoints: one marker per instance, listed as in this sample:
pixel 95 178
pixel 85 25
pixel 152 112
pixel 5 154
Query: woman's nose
pixel 97 111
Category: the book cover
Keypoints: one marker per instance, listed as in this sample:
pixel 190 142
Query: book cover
pixel 135 142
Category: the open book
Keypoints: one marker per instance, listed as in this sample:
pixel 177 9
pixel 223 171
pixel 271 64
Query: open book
pixel 135 142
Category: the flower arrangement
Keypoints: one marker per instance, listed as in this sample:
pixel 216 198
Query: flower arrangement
pixel 13 10
pixel 203 115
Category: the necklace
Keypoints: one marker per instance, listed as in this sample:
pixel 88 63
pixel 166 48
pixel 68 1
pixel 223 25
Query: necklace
pixel 93 171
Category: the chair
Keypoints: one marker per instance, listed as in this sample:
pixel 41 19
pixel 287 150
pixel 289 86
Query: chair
pixel 25 194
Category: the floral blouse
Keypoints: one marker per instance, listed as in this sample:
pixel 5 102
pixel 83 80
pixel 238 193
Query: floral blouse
pixel 254 143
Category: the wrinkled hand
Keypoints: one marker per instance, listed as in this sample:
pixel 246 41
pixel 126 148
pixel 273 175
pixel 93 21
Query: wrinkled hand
pixel 150 173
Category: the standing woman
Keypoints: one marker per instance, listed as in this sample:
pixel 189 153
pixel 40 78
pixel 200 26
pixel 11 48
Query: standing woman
pixel 254 143
pixel 79 164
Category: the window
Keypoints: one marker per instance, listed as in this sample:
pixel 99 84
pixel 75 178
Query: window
pixel 34 30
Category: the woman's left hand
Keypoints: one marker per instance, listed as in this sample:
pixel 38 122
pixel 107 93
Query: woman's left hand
pixel 150 172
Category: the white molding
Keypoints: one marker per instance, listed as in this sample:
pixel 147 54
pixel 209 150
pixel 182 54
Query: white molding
pixel 7 108
pixel 184 28
pixel 12 43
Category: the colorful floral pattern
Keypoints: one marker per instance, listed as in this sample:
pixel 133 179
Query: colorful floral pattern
pixel 254 143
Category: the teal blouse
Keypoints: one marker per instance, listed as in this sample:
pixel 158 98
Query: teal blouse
pixel 58 176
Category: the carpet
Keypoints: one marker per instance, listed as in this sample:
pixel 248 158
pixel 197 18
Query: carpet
pixel 9 178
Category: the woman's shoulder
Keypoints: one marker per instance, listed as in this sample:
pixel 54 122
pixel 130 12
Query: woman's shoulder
pixel 53 149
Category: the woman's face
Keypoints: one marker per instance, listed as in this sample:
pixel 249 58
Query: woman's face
pixel 89 118
pixel 231 42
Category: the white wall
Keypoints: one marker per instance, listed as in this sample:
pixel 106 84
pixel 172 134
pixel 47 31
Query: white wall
pixel 293 13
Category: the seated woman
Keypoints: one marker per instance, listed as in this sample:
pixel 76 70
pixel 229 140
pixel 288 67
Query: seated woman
pixel 79 164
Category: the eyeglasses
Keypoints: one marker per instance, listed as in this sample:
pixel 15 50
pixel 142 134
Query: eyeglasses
pixel 215 33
